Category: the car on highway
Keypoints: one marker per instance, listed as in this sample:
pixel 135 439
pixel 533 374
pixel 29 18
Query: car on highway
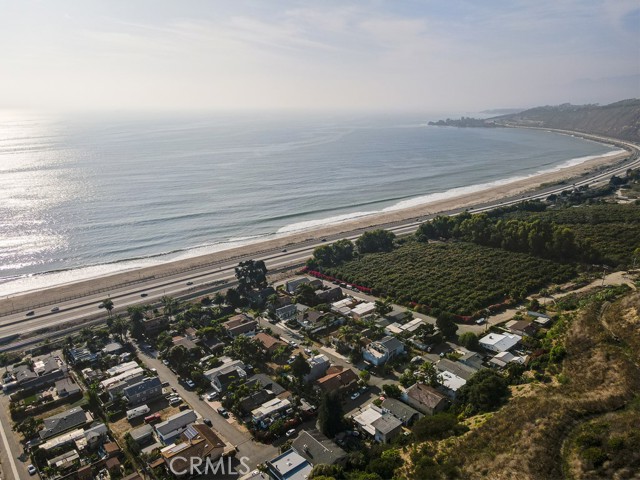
pixel 101 305
pixel 223 412
pixel 30 313
pixel 284 250
pixel 31 469
pixel 355 395
pixel 144 295
pixel 55 309
pixel 189 283
pixel 291 432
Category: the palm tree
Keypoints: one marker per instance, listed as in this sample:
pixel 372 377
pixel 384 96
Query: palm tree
pixel 119 327
pixel 108 305
pixel 169 305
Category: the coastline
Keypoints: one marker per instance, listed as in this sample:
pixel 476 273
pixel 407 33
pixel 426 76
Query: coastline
pixel 508 188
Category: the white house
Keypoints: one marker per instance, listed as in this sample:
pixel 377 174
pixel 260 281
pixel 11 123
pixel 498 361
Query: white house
pixel 498 342
pixel 379 352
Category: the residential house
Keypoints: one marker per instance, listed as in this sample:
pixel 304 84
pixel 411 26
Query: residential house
pixel 121 368
pixel 240 324
pixel 267 383
pixel 269 408
pixel 292 285
pixel 254 400
pixel 112 348
pixel 89 438
pixel 63 422
pixel 338 379
pixel 457 368
pixel 230 371
pixel 175 425
pixel 81 355
pixel 382 426
pixel 470 359
pixel 497 342
pixel 143 391
pixel 425 398
pixel 451 383
pixel 287 312
pixel 43 372
pixel 318 449
pixel 153 326
pixel 363 310
pixel 541 319
pixel 314 321
pixel 319 365
pixel 331 295
pixel 198 441
pixel 502 359
pixel 522 327
pixel 344 306
pixel 115 388
pixel 142 435
pixel 66 387
pixel 269 344
pixel 380 352
pixel 289 465
pixel 403 412
pixel 184 341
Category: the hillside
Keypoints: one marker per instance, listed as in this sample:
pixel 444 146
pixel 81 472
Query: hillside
pixel 619 120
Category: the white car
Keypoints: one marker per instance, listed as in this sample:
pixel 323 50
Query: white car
pixel 355 395
pixel 211 396
pixel 291 432
pixel 31 469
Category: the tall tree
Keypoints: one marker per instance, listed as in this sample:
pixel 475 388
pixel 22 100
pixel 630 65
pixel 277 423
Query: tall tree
pixel 330 415
pixel 383 306
pixel 108 305
pixel 300 367
pixel 446 325
pixel 251 274
pixel 375 241
pixel 169 305
pixel 119 327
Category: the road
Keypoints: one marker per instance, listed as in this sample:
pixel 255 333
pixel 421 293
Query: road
pixel 13 459
pixel 211 278
pixel 256 452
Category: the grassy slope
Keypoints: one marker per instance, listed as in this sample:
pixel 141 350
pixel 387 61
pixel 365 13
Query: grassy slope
pixel 457 277
pixel 534 435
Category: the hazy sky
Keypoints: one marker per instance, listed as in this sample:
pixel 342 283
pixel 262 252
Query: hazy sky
pixel 443 55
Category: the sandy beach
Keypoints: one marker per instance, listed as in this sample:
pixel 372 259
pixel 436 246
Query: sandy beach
pixel 58 293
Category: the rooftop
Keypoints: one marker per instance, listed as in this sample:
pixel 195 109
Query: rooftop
pixel 316 448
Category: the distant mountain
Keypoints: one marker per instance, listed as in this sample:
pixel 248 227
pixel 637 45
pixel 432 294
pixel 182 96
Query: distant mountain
pixel 501 111
pixel 617 120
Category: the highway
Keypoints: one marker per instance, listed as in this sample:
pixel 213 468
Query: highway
pixel 209 279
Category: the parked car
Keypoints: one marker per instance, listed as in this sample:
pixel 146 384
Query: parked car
pixel 355 395
pixel 184 407
pixel 291 432
pixel 190 383
pixel 175 401
pixel 208 422
pixel 211 396
pixel 165 362
pixel 152 418
pixel 31 469
pixel 223 412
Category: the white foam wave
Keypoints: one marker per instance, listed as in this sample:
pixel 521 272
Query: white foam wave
pixel 310 224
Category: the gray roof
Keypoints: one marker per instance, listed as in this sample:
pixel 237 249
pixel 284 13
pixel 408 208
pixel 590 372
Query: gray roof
pixel 179 420
pixel 146 384
pixel 267 383
pixel 141 433
pixel 316 448
pixel 66 387
pixel 386 424
pixel 112 347
pixel 457 368
pixel 62 422
pixel 392 343
pixel 400 409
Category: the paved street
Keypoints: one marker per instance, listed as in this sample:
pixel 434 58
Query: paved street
pixel 13 459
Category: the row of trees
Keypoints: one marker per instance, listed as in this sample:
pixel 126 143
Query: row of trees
pixel 344 250
pixel 534 236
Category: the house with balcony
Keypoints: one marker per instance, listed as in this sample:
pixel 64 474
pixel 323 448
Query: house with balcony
pixel 380 352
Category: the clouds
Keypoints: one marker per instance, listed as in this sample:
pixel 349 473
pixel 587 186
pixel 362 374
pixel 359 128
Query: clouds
pixel 456 55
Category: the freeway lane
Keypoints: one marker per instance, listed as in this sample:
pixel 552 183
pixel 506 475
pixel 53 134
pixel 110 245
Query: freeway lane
pixel 210 278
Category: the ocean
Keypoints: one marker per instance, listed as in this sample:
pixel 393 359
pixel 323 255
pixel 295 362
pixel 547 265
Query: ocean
pixel 84 195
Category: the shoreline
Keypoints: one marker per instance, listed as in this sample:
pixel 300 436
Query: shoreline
pixel 55 293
